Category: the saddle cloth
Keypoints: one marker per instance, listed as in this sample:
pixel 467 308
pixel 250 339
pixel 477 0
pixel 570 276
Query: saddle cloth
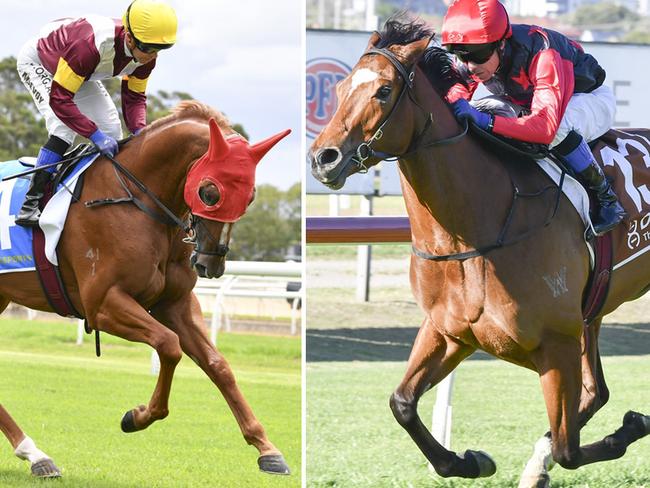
pixel 16 241
pixel 625 158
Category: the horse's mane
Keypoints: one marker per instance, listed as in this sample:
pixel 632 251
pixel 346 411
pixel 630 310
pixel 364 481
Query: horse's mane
pixel 398 29
pixel 439 68
pixel 436 62
pixel 193 109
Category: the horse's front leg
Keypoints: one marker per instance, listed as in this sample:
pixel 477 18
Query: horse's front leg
pixel 24 447
pixel 120 315
pixel 433 357
pixel 593 397
pixel 185 318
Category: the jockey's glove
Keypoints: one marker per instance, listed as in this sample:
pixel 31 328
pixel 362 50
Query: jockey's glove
pixel 104 143
pixel 463 110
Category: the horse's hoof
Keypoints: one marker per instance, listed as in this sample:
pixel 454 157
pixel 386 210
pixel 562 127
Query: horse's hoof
pixel 128 422
pixel 638 421
pixel 45 468
pixel 273 464
pixel 486 465
pixel 541 481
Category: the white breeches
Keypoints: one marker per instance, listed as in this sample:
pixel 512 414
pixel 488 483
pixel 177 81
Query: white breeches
pixel 589 114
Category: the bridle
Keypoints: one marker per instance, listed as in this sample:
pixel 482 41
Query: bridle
pixel 221 249
pixel 365 151
pixel 167 217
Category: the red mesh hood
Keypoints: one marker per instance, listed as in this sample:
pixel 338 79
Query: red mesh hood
pixel 229 164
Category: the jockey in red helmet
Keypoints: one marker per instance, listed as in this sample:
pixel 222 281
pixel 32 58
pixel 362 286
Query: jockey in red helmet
pixel 545 89
pixel 62 69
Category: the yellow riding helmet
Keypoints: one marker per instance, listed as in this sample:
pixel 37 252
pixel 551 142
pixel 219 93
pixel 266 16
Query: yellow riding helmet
pixel 151 22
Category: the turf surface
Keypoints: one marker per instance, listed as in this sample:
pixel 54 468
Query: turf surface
pixel 353 440
pixel 71 403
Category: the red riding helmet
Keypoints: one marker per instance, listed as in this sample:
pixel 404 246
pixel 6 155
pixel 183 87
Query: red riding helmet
pixel 475 22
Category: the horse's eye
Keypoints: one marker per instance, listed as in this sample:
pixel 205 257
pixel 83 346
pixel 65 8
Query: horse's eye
pixel 209 194
pixel 383 93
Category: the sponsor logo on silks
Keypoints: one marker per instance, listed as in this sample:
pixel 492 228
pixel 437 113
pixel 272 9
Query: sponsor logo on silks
pixel 322 76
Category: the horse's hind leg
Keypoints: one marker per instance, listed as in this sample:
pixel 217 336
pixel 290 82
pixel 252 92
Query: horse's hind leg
pixel 558 363
pixel 41 464
pixel 433 357
pixel 24 447
pixel 186 319
pixel 594 396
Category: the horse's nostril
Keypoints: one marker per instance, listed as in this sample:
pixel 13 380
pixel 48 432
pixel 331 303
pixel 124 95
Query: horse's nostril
pixel 200 270
pixel 328 156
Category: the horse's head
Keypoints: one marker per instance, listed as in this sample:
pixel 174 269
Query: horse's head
pixel 219 188
pixel 371 103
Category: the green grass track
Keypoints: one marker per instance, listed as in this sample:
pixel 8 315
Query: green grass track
pixel 353 440
pixel 71 403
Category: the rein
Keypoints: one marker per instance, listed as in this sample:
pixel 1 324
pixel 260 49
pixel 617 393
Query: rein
pixel 364 151
pixel 168 217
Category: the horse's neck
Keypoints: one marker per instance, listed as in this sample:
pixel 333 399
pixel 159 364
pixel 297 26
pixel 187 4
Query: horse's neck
pixel 163 159
pixel 451 191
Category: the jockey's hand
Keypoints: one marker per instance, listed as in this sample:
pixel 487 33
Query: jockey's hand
pixel 463 110
pixel 137 131
pixel 105 143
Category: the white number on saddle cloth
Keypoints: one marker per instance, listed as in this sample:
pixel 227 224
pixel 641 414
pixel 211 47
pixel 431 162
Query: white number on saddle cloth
pixel 639 194
pixel 6 220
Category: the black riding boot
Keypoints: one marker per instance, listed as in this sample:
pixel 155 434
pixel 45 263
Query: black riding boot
pixel 609 212
pixel 29 212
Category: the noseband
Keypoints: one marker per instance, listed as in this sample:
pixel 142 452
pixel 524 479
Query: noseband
pixel 221 250
pixel 365 151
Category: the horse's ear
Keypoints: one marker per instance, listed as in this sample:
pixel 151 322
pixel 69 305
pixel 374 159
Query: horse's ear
pixel 261 148
pixel 374 39
pixel 410 53
pixel 218 144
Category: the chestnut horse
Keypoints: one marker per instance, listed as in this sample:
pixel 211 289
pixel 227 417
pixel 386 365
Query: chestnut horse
pixel 475 294
pixel 131 275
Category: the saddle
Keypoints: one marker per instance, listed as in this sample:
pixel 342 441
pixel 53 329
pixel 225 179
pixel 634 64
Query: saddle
pixel 601 247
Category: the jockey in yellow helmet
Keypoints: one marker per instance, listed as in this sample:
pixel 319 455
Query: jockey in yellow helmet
pixel 62 69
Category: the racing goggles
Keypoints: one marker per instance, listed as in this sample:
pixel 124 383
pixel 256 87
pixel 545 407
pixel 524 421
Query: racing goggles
pixel 468 53
pixel 149 48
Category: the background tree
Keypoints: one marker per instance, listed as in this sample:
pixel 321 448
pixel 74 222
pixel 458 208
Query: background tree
pixel 21 130
pixel 602 14
pixel 270 226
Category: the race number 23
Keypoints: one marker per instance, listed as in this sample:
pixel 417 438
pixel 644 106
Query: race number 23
pixel 6 220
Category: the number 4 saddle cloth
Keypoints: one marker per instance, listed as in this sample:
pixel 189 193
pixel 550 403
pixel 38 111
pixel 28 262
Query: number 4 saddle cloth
pixel 16 252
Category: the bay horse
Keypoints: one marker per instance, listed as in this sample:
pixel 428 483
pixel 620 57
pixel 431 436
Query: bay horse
pixel 132 275
pixel 474 293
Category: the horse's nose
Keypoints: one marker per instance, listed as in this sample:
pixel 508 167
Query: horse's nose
pixel 328 155
pixel 201 270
